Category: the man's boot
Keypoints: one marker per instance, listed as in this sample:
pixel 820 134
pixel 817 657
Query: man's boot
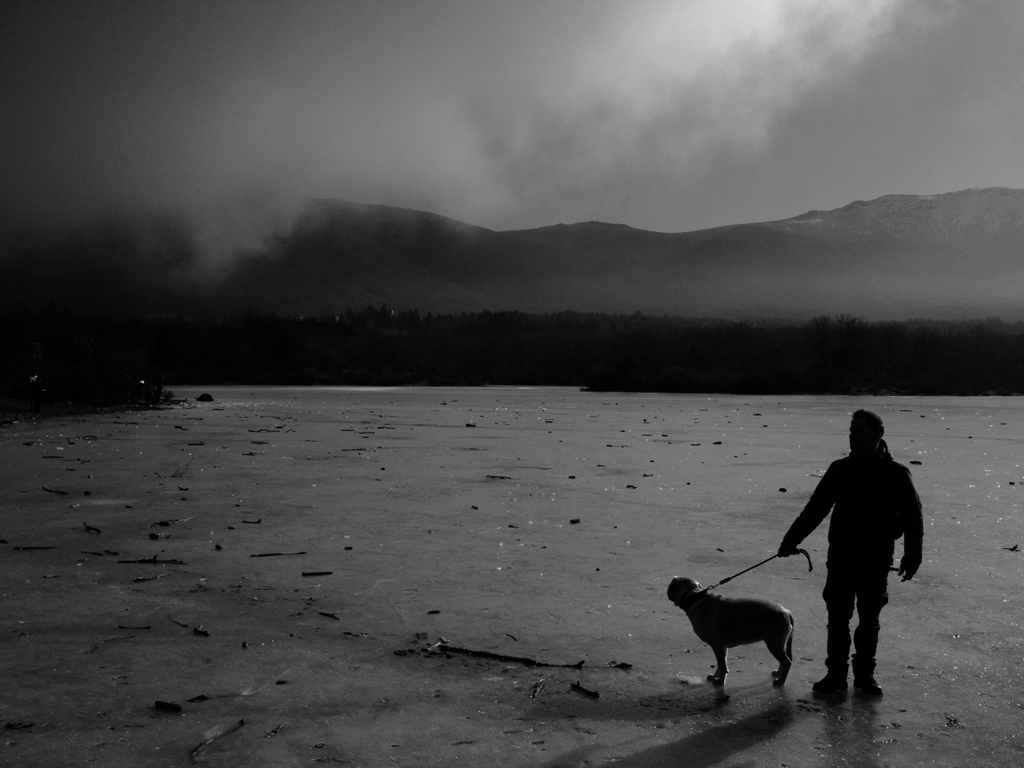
pixel 838 654
pixel 833 682
pixel 867 685
pixel 864 676
pixel 865 641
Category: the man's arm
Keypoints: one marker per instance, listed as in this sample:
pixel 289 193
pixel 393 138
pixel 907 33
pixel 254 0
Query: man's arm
pixel 913 528
pixel 818 506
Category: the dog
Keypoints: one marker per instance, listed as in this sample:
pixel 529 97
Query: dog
pixel 725 622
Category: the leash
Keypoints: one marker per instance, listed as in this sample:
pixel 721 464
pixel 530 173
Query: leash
pixel 810 567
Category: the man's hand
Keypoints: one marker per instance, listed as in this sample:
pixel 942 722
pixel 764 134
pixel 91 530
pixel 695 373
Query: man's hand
pixel 908 568
pixel 787 550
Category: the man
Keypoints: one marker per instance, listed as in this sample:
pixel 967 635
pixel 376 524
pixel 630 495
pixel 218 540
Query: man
pixel 873 502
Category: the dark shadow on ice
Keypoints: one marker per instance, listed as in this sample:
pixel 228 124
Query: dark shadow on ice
pixel 632 701
pixel 710 747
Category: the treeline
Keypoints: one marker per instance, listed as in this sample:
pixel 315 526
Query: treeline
pixel 94 360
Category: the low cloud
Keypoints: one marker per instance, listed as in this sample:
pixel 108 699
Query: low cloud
pixel 500 115
pixel 680 88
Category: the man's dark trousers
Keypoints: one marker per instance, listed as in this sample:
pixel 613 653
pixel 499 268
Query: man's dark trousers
pixel 863 584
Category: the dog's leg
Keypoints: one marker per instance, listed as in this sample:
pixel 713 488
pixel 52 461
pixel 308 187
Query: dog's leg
pixel 784 654
pixel 723 668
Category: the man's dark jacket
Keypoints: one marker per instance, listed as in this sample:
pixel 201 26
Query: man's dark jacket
pixel 873 502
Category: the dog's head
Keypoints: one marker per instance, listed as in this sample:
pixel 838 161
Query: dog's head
pixel 679 588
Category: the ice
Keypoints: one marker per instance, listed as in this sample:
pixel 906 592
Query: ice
pixel 433 547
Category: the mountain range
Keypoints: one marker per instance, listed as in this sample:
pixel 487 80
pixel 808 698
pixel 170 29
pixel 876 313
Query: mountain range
pixel 952 255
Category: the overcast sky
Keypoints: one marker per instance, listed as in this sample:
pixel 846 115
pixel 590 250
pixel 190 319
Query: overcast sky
pixel 672 116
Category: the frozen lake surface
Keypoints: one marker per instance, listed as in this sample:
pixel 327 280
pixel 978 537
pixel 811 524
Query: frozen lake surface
pixel 447 515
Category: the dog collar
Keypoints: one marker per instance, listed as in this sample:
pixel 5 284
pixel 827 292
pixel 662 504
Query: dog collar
pixel 692 598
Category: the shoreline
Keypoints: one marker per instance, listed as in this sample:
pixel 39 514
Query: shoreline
pixel 11 415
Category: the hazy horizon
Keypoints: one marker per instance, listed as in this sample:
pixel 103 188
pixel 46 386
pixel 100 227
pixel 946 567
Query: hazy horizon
pixel 170 138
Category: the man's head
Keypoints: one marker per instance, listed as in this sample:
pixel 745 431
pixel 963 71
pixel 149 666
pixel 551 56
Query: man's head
pixel 866 432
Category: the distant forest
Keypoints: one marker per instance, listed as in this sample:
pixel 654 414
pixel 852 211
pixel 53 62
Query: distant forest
pixel 91 359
